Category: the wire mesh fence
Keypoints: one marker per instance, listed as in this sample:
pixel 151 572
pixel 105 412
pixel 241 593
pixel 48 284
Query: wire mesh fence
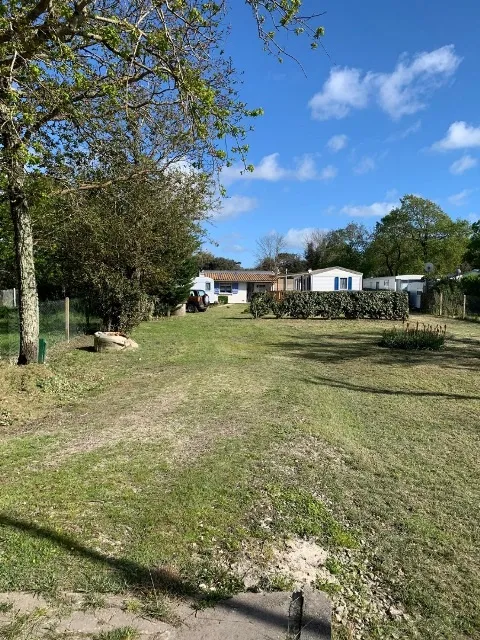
pixel 452 304
pixel 59 321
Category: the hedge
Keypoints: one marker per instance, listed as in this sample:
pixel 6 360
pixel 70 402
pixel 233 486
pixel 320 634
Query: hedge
pixel 390 305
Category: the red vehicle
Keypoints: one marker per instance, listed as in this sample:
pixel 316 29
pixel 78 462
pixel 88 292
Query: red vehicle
pixel 198 300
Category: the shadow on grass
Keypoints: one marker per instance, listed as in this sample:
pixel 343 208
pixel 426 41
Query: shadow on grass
pixel 139 578
pixel 90 349
pixel 350 386
pixel 461 353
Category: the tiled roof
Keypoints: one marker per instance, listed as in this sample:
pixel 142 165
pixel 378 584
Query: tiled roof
pixel 240 276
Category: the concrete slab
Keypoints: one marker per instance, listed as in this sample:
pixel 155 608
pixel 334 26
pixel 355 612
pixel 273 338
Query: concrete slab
pixel 90 622
pixel 248 616
pixel 316 616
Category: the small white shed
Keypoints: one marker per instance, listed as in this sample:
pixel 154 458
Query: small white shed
pixel 413 284
pixel 328 279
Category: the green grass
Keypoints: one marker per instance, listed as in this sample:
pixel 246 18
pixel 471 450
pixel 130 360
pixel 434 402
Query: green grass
pixel 150 472
pixel 122 633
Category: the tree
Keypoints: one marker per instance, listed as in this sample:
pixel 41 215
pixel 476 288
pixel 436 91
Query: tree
pixel 68 67
pixel 286 262
pixel 133 243
pixel 417 232
pixel 473 249
pixel 391 251
pixel 207 261
pixel 269 248
pixel 344 247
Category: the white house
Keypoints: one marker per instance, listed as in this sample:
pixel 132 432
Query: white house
pixel 239 286
pixel 328 279
pixel 413 284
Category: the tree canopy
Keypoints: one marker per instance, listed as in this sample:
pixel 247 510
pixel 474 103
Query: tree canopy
pixel 73 73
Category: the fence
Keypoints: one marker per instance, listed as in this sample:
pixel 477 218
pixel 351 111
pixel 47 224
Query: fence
pixel 60 320
pixel 454 305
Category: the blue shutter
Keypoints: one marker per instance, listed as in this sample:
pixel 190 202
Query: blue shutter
pixel 350 283
pixel 234 287
pixel 216 288
pixel 337 282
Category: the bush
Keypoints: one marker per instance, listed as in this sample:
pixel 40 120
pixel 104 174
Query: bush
pixel 390 305
pixel 261 304
pixel 222 299
pixel 415 337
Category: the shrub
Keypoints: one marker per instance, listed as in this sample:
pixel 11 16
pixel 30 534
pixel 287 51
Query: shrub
pixel 222 299
pixel 390 305
pixel 261 304
pixel 415 337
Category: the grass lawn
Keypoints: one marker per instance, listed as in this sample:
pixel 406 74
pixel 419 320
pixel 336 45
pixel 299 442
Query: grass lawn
pixel 221 437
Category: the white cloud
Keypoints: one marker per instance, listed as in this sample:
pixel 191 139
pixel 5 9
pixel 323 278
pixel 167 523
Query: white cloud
pixel 460 135
pixel 238 248
pixel 306 169
pixel 401 92
pixel 328 173
pixel 338 142
pixel 463 164
pixel 234 205
pixel 366 164
pixel 270 170
pixel 295 238
pixel 459 199
pixel 401 135
pixel 377 209
pixel 344 90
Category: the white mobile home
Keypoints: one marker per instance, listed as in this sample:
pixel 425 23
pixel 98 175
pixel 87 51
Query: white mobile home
pixel 207 284
pixel 328 279
pixel 413 284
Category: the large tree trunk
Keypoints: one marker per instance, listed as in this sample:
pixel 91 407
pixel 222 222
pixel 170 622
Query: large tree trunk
pixel 27 284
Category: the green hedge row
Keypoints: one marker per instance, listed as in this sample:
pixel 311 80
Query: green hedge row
pixel 390 305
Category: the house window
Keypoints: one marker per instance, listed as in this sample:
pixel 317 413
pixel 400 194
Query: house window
pixel 225 288
pixel 377 285
pixel 386 283
pixel 208 286
pixel 261 287
pixel 344 283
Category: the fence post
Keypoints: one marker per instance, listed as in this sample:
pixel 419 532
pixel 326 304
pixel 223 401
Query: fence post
pixel 464 306
pixel 441 303
pixel 67 319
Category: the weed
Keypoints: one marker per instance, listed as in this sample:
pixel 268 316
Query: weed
pixel 5 607
pixel 333 565
pixel 93 601
pixel 277 582
pixel 122 633
pixel 328 587
pixel 132 606
pixel 23 627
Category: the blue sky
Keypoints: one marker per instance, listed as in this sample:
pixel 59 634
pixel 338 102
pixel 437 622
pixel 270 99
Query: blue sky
pixel 392 109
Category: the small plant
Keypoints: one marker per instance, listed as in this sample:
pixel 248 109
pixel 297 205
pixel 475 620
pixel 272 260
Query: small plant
pixel 415 337
pixel 132 606
pixel 333 565
pixel 5 607
pixel 122 633
pixel 222 299
pixel 93 601
pixel 328 587
pixel 277 582
pixel 156 607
